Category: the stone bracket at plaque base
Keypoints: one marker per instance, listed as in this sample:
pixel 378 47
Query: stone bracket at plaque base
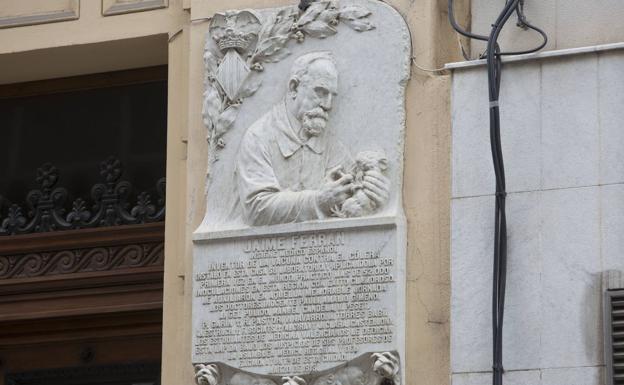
pixel 299 273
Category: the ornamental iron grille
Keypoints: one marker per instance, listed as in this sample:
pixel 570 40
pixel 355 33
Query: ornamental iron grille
pixel 111 206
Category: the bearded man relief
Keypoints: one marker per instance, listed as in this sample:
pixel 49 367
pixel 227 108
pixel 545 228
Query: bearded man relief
pixel 290 167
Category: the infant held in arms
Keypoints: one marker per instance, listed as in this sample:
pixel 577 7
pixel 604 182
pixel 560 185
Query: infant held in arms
pixel 360 203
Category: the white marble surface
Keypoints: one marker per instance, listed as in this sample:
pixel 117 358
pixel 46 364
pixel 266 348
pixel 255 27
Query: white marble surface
pixel 561 125
pixel 368 113
pixel 574 376
pixel 374 62
pixel 352 319
pixel 612 220
pixel 471 158
pixel 571 279
pixel 470 309
pixel 563 146
pixel 530 377
pixel 570 131
pixel 553 302
pixel 562 376
pixel 471 284
pixel 611 100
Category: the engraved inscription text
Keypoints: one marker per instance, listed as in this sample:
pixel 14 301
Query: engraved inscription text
pixel 295 301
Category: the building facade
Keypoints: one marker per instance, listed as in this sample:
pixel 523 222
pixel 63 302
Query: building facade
pixel 563 149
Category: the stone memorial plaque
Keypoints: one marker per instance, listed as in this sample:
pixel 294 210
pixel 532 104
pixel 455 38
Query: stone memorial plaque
pixel 299 264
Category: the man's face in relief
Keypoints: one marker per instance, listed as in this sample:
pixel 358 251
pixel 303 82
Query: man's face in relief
pixel 314 96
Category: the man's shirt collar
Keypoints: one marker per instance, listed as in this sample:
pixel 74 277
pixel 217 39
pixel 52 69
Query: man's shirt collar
pixel 287 140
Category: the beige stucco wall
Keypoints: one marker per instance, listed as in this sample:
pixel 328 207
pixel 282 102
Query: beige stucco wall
pixel 94 43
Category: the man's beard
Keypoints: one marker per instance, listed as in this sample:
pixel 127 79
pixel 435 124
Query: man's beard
pixel 314 121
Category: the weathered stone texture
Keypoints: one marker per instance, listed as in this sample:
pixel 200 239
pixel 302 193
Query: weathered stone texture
pixel 564 166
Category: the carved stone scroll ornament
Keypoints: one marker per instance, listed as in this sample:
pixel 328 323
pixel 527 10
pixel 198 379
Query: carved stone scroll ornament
pixel 244 44
pixel 369 369
pixel 387 365
pixel 207 374
pixel 293 380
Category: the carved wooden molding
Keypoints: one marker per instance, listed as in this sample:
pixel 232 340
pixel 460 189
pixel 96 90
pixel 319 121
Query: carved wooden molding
pixel 116 7
pixel 81 260
pixel 69 12
pixel 81 272
pixel 81 251
pixel 84 238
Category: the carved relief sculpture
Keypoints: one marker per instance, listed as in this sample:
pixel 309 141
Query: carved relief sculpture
pixel 299 263
pixel 244 45
pixel 369 369
pixel 290 168
pixel 233 73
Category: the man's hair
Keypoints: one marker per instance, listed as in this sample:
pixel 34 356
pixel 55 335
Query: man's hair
pixel 302 64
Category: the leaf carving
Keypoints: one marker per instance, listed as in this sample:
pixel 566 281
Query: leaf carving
pixel 267 27
pixel 269 47
pixel 210 61
pixel 284 21
pixel 250 85
pixel 312 13
pixel 329 16
pixel 352 12
pixel 211 107
pixel 274 35
pixel 225 120
pixel 318 21
pixel 319 29
pixel 359 25
pixel 278 56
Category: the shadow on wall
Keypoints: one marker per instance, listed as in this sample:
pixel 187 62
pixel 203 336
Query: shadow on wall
pixel 592 318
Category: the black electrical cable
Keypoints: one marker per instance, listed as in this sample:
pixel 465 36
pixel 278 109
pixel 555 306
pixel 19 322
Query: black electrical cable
pixel 459 29
pixel 522 23
pixel 494 70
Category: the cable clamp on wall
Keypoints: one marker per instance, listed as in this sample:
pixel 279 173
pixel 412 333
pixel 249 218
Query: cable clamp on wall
pixel 305 4
pixel 494 103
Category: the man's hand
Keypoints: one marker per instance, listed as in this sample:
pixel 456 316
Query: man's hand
pixel 376 187
pixel 336 190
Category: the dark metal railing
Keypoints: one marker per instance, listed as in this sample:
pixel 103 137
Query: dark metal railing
pixel 46 209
